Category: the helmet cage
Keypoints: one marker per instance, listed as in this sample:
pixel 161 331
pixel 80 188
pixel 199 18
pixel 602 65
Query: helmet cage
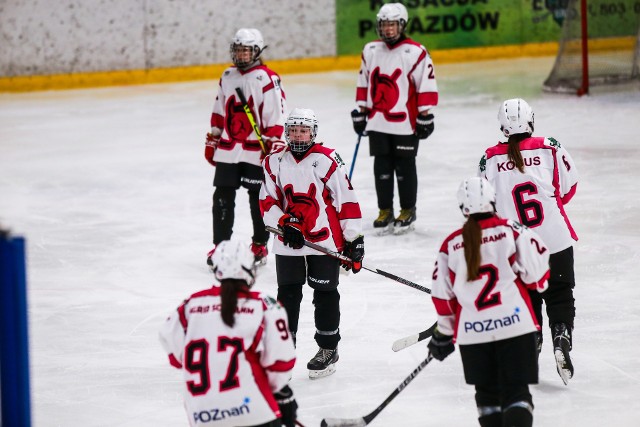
pixel 392 12
pixel 301 117
pixel 249 38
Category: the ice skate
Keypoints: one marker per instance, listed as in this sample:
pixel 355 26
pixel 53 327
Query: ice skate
pixel 323 363
pixel 405 221
pixel 260 254
pixel 384 223
pixel 209 255
pixel 561 349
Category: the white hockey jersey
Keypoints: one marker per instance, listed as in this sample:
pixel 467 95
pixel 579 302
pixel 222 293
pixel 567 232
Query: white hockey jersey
pixel 535 198
pixel 395 84
pixel 497 305
pixel 230 373
pixel 315 190
pixel 266 99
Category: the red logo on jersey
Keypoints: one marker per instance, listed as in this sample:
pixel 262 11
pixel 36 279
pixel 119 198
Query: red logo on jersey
pixel 304 206
pixel 385 94
pixel 238 126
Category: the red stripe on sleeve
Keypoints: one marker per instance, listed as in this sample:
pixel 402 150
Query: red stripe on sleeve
pixel 217 121
pixel 427 98
pixel 268 87
pixel 361 94
pixel 183 317
pixel 282 366
pixel 445 307
pixel 350 211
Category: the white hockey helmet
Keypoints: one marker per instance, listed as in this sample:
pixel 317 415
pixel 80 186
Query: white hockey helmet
pixel 248 37
pixel 515 116
pixel 301 117
pixel 476 195
pixel 392 12
pixel 232 259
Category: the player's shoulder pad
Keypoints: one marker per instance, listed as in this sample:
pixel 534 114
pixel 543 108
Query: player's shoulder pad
pixel 552 142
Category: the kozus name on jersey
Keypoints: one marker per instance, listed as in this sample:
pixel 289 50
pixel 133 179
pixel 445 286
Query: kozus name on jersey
pixel 509 166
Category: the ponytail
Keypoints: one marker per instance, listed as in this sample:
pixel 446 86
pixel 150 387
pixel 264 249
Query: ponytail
pixel 229 290
pixel 472 236
pixel 514 150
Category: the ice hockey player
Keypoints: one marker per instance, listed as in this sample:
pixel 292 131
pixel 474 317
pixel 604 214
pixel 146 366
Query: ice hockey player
pixel 534 178
pixel 307 195
pixel 480 282
pixel 233 146
pixel 234 348
pixel 396 92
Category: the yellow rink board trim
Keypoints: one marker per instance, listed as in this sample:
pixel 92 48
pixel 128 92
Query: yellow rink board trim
pixel 289 66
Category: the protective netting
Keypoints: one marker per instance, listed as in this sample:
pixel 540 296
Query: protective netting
pixel 613 33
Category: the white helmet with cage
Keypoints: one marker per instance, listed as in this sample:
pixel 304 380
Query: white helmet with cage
pixel 232 259
pixel 393 12
pixel 301 117
pixel 476 195
pixel 247 37
pixel 515 116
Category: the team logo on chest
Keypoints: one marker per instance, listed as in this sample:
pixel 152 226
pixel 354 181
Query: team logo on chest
pixel 238 126
pixel 385 94
pixel 305 207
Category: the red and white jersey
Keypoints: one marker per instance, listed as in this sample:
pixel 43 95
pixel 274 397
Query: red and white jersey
pixel 230 373
pixel 315 190
pixel 266 99
pixel 395 84
pixel 535 198
pixel 497 305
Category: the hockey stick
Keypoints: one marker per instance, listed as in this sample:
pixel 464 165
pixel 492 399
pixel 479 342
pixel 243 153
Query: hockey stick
pixel 355 156
pixel 247 111
pixel 359 422
pixel 347 259
pixel 405 342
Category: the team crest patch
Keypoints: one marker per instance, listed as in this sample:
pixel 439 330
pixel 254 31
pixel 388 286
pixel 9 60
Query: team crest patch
pixel 553 142
pixel 483 163
pixel 338 159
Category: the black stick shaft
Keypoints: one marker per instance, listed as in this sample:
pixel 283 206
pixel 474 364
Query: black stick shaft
pixel 347 259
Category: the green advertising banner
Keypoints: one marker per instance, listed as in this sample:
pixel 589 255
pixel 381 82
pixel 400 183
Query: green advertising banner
pixel 450 24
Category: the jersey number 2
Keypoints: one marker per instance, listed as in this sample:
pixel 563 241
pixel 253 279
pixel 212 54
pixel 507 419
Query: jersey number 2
pixel 486 298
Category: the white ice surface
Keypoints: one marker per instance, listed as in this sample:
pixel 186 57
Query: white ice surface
pixel 112 192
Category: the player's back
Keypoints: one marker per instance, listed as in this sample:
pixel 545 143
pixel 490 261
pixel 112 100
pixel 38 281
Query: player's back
pixel 225 384
pixel 532 198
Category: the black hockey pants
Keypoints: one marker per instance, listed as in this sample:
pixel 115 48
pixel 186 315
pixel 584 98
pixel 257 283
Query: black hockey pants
pixel 224 202
pixel 558 298
pixel 322 274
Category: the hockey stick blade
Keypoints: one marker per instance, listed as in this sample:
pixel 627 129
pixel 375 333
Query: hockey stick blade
pixel 405 342
pixel 343 422
pixel 360 422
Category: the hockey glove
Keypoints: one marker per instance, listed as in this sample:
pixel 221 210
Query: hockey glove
pixel 359 121
pixel 440 346
pixel 210 145
pixel 424 126
pixel 355 251
pixel 288 406
pixel 292 231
